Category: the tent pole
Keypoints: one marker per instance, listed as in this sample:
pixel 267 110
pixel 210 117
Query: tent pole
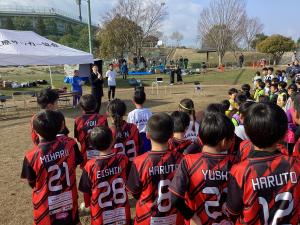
pixel 50 72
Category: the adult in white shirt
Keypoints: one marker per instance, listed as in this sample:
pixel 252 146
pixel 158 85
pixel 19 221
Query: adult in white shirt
pixel 111 80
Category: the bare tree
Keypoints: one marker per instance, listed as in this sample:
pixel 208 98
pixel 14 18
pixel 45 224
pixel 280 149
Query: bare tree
pixel 221 24
pixel 176 36
pixel 147 14
pixel 253 26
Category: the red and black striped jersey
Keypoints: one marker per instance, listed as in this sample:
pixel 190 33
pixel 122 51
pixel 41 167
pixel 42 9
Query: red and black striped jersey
pixel 127 142
pixel 264 189
pixel 247 148
pixel 201 180
pixel 34 135
pixel 184 146
pixel 82 126
pixel 104 178
pixel 296 150
pixel 50 169
pixel 150 177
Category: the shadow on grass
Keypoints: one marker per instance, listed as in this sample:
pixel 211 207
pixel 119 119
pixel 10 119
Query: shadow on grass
pixel 238 77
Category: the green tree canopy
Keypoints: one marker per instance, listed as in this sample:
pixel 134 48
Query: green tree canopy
pixel 51 26
pixel 276 45
pixel 118 36
pixel 23 23
pixel 258 38
pixel 8 24
pixel 40 27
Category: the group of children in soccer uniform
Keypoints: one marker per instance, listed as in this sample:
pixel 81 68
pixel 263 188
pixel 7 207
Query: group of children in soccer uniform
pixel 232 166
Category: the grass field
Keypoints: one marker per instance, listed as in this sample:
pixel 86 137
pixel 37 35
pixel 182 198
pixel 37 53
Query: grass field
pixel 42 73
pixel 15 200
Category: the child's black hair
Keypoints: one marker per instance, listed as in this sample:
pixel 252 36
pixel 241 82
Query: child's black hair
pixel 246 87
pixel 226 105
pixel 275 80
pixel 232 91
pixel 139 97
pixel 240 98
pixel 265 69
pixel 271 69
pixel 181 121
pixel 275 86
pixel 282 84
pixel 257 73
pixel 265 124
pixel 297 103
pixel 62 124
pixel 101 138
pixel 262 85
pixel 214 108
pixel 278 72
pixel 293 87
pixel 268 82
pixel 187 105
pixel 263 99
pixel 88 103
pixel 245 106
pixel 214 128
pixel 160 128
pixel 47 96
pixel 117 109
pixel 47 124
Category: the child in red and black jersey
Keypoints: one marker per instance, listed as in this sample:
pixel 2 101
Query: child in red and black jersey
pixel 50 169
pixel 296 118
pixel 47 99
pixel 199 186
pixel 178 142
pixel 152 173
pixel 264 188
pixel 103 181
pixel 85 123
pixel 126 135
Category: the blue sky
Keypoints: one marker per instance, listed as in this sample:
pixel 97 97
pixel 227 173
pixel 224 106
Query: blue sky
pixel 278 16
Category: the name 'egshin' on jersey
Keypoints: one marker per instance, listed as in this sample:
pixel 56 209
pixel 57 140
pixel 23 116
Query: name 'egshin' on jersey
pixel 166 169
pixel 109 172
pixel 274 180
pixel 54 156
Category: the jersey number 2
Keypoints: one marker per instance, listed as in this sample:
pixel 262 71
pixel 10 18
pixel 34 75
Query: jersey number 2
pixel 57 176
pixel 285 196
pixel 119 194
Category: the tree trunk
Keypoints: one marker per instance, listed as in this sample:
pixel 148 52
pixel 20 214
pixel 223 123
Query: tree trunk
pixel 220 59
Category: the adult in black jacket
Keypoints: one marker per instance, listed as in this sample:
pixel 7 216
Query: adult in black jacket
pixel 96 81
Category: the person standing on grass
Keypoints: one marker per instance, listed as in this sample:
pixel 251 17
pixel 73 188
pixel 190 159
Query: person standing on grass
pixel 241 60
pixel 76 83
pixel 111 80
pixel 96 81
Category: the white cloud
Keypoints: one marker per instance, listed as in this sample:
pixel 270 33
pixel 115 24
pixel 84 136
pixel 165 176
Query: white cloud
pixel 183 17
pixel 183 14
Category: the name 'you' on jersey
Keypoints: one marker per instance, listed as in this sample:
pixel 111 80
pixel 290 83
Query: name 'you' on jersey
pixel 149 180
pixel 50 169
pixel 83 125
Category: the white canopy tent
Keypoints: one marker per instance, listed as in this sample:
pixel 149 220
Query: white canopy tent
pixel 28 48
